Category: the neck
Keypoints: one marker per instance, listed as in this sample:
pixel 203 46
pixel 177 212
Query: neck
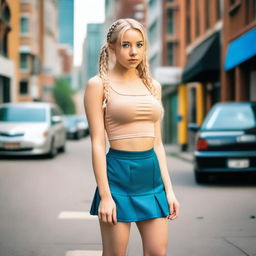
pixel 123 73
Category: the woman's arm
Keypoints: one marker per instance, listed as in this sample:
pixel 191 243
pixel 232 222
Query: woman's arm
pixel 161 155
pixel 93 98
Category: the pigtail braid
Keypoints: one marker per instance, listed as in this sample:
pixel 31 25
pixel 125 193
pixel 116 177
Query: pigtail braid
pixel 104 64
pixel 103 71
pixel 145 75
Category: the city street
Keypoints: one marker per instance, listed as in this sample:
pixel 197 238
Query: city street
pixel 45 202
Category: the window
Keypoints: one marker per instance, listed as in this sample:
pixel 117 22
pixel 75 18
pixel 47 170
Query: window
pixel 197 19
pixel 254 9
pixel 250 11
pixel 23 61
pixel 207 13
pixel 23 87
pixel 170 24
pixel 218 11
pixel 170 56
pixel 152 32
pixel 188 23
pixel 24 25
pixel 151 2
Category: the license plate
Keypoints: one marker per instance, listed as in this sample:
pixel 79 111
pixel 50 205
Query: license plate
pixel 238 163
pixel 12 145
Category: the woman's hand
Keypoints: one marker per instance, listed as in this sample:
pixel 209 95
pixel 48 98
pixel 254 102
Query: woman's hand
pixel 107 210
pixel 174 205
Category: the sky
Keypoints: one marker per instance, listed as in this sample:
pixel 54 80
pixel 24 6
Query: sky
pixel 86 11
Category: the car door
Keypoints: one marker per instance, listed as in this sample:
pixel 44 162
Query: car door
pixel 59 126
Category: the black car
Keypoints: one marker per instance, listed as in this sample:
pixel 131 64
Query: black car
pixel 226 141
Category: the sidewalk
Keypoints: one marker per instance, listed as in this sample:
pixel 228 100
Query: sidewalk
pixel 175 151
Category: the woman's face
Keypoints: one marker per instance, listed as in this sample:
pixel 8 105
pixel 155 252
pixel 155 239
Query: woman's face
pixel 129 53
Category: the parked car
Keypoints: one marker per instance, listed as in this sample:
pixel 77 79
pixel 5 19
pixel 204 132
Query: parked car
pixel 31 128
pixel 76 126
pixel 226 141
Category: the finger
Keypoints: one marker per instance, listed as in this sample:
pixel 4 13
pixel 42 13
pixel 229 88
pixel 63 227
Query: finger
pixel 114 216
pixel 109 217
pixel 104 218
pixel 99 215
pixel 171 208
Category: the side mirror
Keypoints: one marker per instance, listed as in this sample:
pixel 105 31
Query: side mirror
pixel 56 119
pixel 193 127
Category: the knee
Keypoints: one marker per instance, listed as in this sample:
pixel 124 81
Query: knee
pixel 156 252
pixel 114 253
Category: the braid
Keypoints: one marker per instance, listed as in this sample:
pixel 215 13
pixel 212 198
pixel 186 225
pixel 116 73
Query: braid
pixel 103 70
pixel 104 64
pixel 144 74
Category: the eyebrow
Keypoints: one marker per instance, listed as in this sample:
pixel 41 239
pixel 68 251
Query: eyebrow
pixel 129 42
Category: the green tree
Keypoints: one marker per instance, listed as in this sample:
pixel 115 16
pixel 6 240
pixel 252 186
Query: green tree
pixel 63 96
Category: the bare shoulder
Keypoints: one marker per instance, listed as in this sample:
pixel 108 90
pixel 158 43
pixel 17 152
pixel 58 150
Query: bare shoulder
pixel 95 83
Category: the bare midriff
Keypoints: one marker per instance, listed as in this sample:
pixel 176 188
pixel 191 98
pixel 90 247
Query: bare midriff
pixel 133 144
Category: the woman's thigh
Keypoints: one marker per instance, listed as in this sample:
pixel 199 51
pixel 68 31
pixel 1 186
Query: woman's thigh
pixel 115 238
pixel 154 234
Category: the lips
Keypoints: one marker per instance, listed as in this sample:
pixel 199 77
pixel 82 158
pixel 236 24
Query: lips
pixel 133 60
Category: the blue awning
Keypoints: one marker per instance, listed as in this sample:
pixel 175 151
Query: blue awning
pixel 241 49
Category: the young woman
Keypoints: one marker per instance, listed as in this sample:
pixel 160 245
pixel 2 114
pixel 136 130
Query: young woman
pixel 133 183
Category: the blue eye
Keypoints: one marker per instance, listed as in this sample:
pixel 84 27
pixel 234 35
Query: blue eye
pixel 124 45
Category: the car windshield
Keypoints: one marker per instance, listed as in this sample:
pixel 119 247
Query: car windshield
pixel 232 117
pixel 22 114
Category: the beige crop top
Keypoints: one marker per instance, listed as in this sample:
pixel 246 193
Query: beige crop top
pixel 131 115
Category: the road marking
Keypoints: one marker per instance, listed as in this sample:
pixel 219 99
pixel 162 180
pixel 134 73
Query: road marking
pixel 84 253
pixel 77 215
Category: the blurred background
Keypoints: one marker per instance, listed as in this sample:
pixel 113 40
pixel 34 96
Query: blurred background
pixel 203 52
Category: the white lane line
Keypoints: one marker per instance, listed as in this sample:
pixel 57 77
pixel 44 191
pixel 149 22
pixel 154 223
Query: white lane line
pixel 83 253
pixel 76 215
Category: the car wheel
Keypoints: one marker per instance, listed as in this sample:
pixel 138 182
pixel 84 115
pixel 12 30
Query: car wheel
pixel 62 149
pixel 53 150
pixel 77 135
pixel 201 177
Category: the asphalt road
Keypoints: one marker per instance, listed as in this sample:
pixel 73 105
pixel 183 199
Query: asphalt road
pixel 44 206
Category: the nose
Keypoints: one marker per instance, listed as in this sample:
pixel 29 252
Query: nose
pixel 133 50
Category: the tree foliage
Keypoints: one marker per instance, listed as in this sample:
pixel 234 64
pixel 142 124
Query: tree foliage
pixel 63 96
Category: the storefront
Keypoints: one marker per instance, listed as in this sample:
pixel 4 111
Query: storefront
pixel 200 87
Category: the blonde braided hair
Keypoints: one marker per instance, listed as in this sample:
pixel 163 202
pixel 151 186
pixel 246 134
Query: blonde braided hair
pixel 116 31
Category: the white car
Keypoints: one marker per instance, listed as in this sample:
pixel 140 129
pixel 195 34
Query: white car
pixel 31 128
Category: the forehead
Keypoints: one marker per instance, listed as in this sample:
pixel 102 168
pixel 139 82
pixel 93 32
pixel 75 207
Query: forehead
pixel 132 35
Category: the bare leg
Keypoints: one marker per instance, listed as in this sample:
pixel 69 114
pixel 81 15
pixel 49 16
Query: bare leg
pixel 154 234
pixel 115 238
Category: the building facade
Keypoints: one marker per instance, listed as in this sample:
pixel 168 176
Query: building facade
pixel 238 75
pixel 200 26
pixel 9 45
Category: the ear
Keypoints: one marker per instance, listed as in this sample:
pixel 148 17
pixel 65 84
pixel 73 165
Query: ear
pixel 111 47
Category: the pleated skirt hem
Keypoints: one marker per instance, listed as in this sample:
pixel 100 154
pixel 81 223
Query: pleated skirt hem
pixel 135 208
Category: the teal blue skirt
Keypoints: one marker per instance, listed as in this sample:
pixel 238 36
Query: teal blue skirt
pixel 136 186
